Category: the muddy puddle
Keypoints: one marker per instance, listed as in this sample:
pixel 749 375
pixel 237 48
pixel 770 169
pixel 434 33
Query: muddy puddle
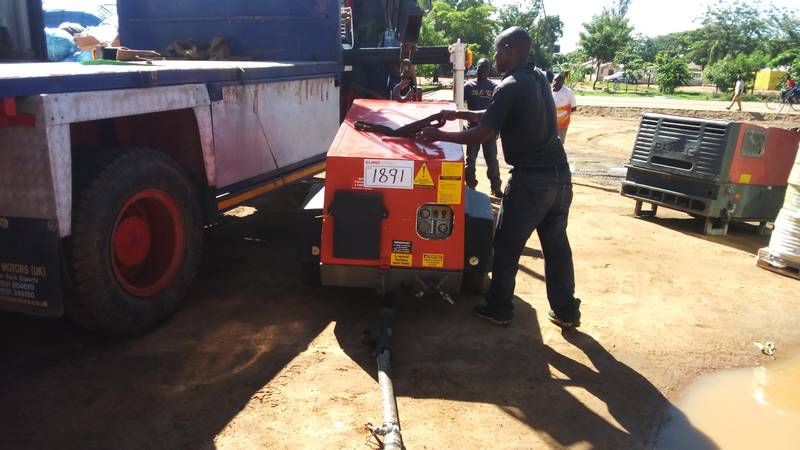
pixel 753 408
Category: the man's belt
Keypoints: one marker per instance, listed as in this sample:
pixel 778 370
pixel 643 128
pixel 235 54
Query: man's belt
pixel 558 169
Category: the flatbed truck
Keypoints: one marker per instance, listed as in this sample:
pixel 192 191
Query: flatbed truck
pixel 109 172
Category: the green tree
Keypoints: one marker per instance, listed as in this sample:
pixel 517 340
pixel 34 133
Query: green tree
pixel 784 31
pixel 675 42
pixel 620 7
pixel 730 29
pixel 749 65
pixel 574 64
pixel 722 73
pixel 673 71
pixel 429 36
pixel 605 35
pixel 464 4
pixel 468 20
pixel 733 28
pixel 545 33
pixel 518 15
pixel 644 47
pixel 544 30
pixel 632 64
pixel 788 58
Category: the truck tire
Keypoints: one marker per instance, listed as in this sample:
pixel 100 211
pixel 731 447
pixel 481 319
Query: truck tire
pixel 136 242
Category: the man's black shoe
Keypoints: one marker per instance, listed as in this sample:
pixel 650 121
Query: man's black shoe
pixel 567 323
pixel 486 313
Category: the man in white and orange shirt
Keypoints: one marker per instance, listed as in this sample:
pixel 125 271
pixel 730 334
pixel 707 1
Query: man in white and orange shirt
pixel 565 105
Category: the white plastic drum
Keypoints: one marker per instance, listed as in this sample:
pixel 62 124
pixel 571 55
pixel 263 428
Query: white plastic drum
pixel 785 241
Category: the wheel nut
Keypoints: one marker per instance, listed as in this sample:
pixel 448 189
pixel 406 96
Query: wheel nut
pixel 473 260
pixel 314 250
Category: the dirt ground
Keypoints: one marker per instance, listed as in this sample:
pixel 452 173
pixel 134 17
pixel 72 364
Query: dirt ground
pixel 256 359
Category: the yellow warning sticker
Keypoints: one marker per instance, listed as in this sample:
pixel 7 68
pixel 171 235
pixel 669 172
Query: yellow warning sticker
pixel 423 178
pixel 450 183
pixel 432 260
pixel 745 178
pixel 402 259
pixel 449 191
pixel 451 169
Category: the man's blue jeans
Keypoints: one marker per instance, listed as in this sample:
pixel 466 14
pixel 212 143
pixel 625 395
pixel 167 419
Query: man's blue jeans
pixel 492 165
pixel 489 155
pixel 541 203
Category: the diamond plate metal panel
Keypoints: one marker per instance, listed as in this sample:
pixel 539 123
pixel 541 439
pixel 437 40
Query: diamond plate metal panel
pixel 26 188
pixel 58 139
pixel 85 106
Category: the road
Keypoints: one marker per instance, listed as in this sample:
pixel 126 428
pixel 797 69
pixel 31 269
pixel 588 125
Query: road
pixel 677 104
pixel 257 359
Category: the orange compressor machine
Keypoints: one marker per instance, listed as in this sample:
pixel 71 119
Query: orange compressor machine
pixel 393 211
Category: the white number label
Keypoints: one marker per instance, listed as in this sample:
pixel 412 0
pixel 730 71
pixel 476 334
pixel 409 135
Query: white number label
pixel 388 173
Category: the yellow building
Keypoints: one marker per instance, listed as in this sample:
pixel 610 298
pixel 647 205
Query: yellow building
pixel 769 80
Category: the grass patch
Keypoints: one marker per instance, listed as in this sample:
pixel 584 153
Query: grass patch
pixel 642 91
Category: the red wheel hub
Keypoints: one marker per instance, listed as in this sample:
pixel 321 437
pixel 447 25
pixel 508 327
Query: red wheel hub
pixel 132 241
pixel 147 243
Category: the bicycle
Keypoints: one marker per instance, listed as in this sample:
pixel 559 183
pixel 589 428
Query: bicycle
pixel 783 100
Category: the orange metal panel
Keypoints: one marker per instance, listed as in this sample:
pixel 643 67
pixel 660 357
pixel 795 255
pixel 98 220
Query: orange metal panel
pixel 346 171
pixel 772 167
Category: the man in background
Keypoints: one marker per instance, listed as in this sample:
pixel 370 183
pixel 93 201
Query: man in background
pixel 478 95
pixel 565 105
pixel 738 90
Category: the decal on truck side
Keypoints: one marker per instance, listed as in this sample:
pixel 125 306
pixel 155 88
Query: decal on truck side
pixel 30 275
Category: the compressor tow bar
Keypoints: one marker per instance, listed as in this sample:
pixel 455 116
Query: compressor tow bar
pixel 388 434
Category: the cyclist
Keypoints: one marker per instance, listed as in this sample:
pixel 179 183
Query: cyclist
pixel 792 92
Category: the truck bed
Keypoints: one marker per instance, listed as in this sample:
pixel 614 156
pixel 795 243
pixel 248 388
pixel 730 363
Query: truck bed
pixel 25 79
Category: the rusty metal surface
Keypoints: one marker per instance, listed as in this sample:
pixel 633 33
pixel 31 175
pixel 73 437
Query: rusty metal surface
pixel 26 190
pixel 263 127
pixel 205 125
pixel 86 106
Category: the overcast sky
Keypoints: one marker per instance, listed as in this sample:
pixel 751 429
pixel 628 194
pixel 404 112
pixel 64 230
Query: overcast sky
pixel 649 17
